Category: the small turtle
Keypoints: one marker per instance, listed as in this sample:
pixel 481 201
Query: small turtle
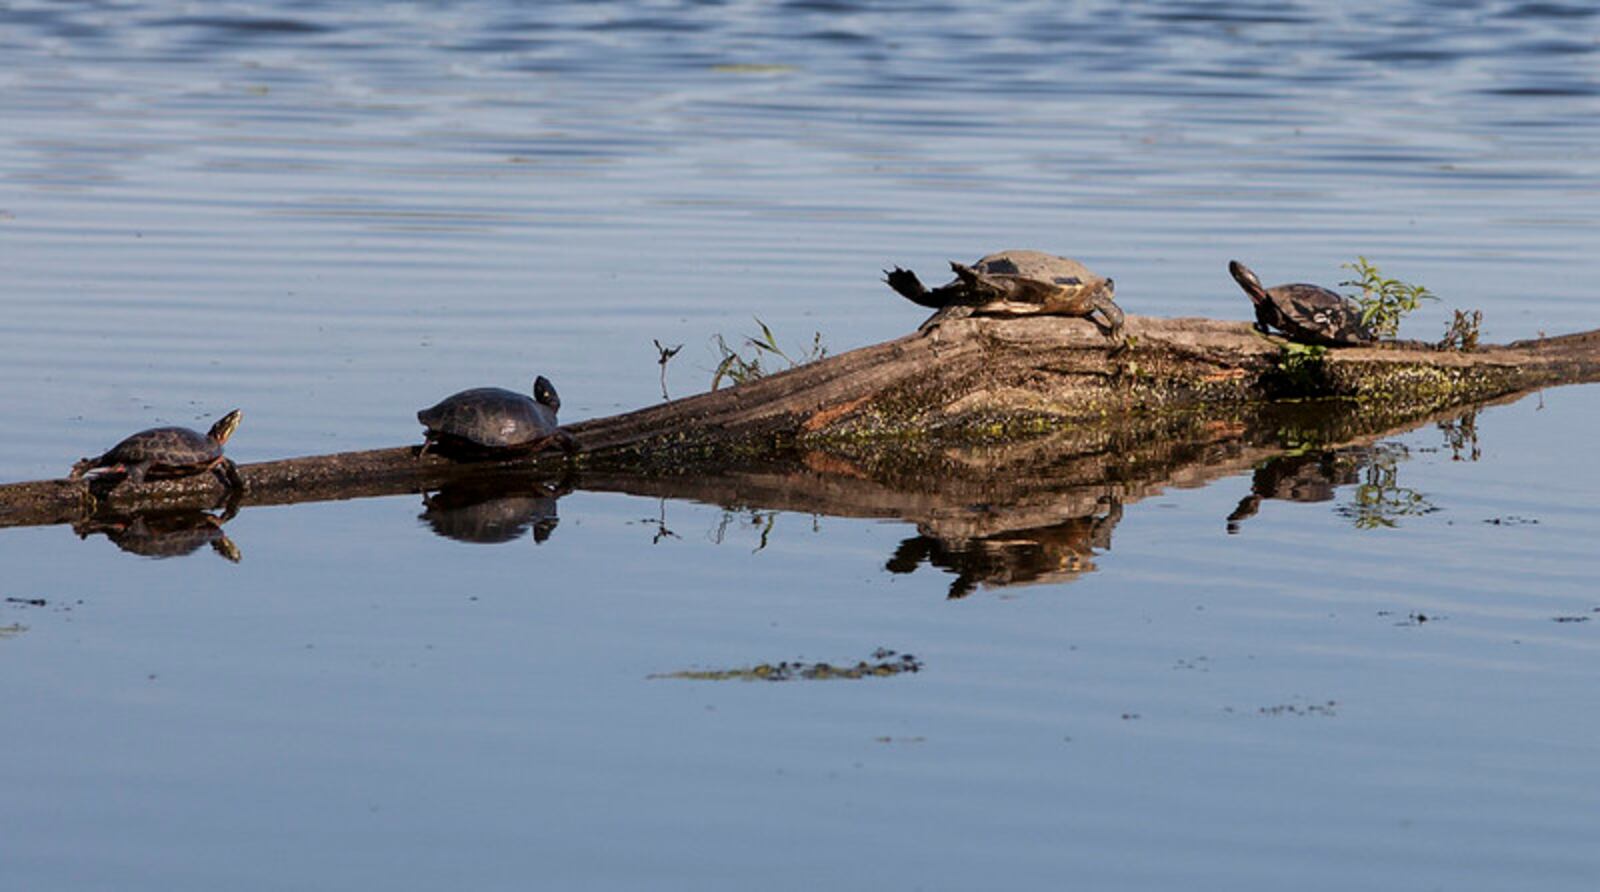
pixel 489 421
pixel 1015 283
pixel 1309 314
pixel 169 452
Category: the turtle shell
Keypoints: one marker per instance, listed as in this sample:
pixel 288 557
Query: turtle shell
pixel 492 418
pixel 1037 265
pixel 174 448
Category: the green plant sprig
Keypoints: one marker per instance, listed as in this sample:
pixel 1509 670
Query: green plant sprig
pixel 739 368
pixel 1383 301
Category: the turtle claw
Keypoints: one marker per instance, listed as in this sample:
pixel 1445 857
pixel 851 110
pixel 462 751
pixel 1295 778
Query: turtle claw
pixel 906 284
pixel 228 473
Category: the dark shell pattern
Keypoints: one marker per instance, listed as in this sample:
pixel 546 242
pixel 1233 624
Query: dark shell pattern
pixel 491 417
pixel 171 447
pixel 1036 265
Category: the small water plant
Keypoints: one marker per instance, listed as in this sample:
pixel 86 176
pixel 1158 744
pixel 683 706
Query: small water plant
pixel 882 664
pixel 1462 332
pixel 664 356
pixel 1383 301
pixel 739 368
pixel 1302 365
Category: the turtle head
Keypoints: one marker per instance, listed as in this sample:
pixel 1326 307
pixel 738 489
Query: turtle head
pixel 225 426
pixel 224 546
pixel 1248 281
pixel 544 393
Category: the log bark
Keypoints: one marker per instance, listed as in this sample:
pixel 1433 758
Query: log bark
pixel 897 408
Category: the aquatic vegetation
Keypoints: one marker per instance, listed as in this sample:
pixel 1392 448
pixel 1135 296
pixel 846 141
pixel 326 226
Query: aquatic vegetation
pixel 883 664
pixel 1462 332
pixel 1302 365
pixel 664 356
pixel 1383 301
pixel 739 368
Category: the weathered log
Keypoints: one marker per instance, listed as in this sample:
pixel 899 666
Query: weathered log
pixel 900 404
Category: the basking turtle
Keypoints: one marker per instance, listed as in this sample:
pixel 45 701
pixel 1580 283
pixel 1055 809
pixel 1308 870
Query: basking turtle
pixel 169 452
pixel 1309 314
pixel 490 421
pixel 1015 283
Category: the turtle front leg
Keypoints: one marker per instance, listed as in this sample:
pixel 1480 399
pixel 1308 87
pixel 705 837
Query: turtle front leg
pixel 1113 316
pixel 228 473
pixel 136 471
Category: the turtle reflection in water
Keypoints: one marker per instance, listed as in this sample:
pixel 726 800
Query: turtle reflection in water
pixel 164 534
pixel 1059 552
pixel 1378 499
pixel 491 512
pixel 1310 477
pixel 1015 283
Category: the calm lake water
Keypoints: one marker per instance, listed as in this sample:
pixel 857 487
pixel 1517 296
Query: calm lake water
pixel 334 214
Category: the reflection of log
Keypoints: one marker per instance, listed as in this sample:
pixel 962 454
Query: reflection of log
pixel 971 380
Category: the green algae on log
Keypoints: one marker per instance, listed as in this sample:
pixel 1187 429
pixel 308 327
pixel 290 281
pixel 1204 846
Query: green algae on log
pixel 884 663
pixel 892 406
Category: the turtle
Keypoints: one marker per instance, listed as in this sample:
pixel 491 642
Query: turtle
pixel 486 422
pixel 163 452
pixel 1308 314
pixel 1015 283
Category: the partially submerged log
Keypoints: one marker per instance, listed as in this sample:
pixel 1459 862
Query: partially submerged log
pixel 894 409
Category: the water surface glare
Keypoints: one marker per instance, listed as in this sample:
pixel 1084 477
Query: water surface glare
pixel 1356 668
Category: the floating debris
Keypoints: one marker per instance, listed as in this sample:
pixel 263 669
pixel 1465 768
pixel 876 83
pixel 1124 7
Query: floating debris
pixel 883 664
pixel 1415 618
pixel 1327 709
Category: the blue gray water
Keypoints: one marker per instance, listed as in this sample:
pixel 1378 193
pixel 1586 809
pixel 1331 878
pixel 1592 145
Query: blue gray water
pixel 333 214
